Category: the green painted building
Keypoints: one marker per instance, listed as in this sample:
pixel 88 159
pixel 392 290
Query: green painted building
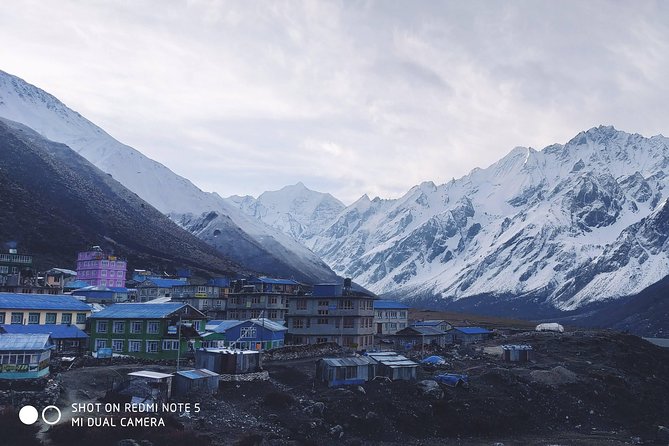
pixel 146 330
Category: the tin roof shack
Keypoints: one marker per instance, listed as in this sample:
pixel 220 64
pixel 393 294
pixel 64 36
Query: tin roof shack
pixel 146 386
pixel 517 353
pixel 394 366
pixel 102 294
pixel 195 382
pixel 228 361
pixel 67 339
pixel 337 372
pixel 24 356
pixel 470 335
pixel 412 337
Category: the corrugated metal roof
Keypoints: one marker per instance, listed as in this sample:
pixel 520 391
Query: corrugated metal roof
pixel 350 361
pixel 162 283
pixel 269 324
pixel 212 324
pixel 14 301
pixel 77 284
pixel 224 325
pixel 271 281
pixel 427 331
pixel 389 304
pixel 392 359
pixel 138 311
pixel 24 342
pixel 472 330
pixel 57 331
pixel 428 323
pixel 197 374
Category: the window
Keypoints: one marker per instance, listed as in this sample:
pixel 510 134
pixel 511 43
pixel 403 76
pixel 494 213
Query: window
pixel 117 345
pixel 272 300
pixel 301 304
pixel 104 273
pixel 273 314
pixel 255 314
pixel 321 340
pixel 322 321
pixel 66 318
pixel 2 318
pixel 347 304
pixel 17 318
pixel 323 303
pixel 118 283
pixel 170 345
pixel 323 312
pixel 136 327
pixel 134 346
pixel 255 300
pixel 247 332
pixel 33 318
pixel 152 328
pixel 403 314
pixel 100 343
pixel 298 323
pixel 101 326
pixel 152 346
pixel 379 314
pixel 348 322
pixel 81 318
pixel 118 327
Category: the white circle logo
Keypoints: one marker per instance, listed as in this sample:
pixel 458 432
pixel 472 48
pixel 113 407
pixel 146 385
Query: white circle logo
pixel 52 408
pixel 28 415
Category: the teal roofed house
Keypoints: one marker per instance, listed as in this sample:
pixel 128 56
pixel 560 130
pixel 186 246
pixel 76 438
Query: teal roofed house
pixel 146 330
pixel 24 356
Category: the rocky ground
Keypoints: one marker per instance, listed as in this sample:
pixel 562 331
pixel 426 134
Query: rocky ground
pixel 582 388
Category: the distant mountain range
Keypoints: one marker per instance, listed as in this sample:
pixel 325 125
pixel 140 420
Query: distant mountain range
pixel 576 231
pixel 245 241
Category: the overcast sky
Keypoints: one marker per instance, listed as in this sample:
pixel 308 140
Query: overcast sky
pixel 348 97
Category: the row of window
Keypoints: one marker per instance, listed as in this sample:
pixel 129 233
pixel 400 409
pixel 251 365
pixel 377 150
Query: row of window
pixel 17 317
pixel 135 345
pixel 103 273
pixel 98 263
pixel 272 300
pixel 16 258
pixel 253 314
pixel 339 304
pixel 348 322
pixel 391 314
pixel 152 327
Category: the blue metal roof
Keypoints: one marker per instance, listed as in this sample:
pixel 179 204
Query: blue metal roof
pixel 24 342
pixel 389 304
pixel 14 301
pixel 224 326
pixel 57 331
pixel 472 330
pixel 428 323
pixel 272 281
pixel 197 374
pixel 162 283
pixel 76 284
pixel 138 311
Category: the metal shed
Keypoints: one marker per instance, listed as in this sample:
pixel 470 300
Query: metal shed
pixel 228 361
pixel 345 371
pixel 517 353
pixel 394 366
pixel 198 381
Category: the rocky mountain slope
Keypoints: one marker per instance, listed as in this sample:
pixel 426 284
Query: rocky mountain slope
pixel 558 228
pixel 55 203
pixel 246 240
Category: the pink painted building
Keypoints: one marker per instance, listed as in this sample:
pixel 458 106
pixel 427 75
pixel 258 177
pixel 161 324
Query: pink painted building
pixel 99 268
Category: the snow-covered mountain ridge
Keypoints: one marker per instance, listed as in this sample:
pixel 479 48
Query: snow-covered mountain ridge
pixel 250 242
pixel 567 225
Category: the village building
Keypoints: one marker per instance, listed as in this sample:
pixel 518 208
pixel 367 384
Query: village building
pixel 251 334
pixel 332 313
pixel 59 278
pixel 228 361
pixel 100 268
pixel 211 299
pixel 102 294
pixel 390 316
pixel 417 337
pixel 261 297
pixel 393 366
pixel 470 335
pixel 355 370
pixel 146 330
pixel 439 324
pixel 154 288
pixel 198 382
pixel 14 268
pixel 24 356
pixel 28 309
pixel 67 339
